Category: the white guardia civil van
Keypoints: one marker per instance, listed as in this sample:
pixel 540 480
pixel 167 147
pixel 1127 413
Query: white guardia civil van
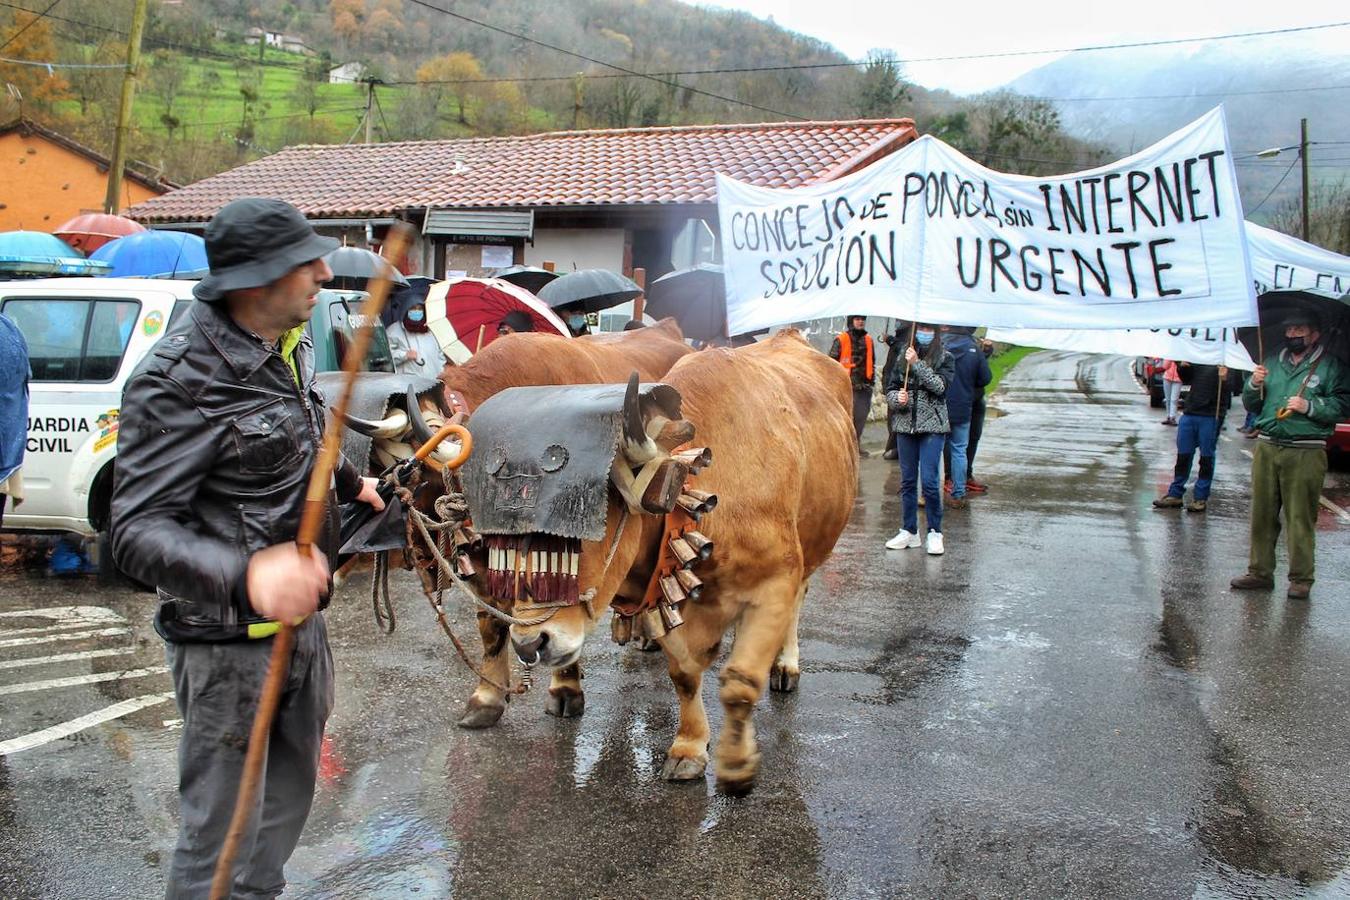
pixel 85 337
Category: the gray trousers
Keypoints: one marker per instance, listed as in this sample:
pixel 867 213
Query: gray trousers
pixel 217 687
pixel 862 406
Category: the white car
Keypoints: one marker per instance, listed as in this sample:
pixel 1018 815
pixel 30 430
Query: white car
pixel 85 337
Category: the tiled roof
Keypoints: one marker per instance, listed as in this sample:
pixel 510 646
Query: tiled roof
pixel 570 168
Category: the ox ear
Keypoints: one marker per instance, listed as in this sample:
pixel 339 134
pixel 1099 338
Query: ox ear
pixel 422 432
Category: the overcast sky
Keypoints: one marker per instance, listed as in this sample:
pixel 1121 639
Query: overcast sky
pixel 993 26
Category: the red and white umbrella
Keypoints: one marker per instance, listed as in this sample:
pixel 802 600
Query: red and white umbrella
pixel 461 309
pixel 90 231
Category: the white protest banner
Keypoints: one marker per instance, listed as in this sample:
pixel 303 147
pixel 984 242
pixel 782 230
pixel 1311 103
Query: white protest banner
pixel 1284 263
pixel 1279 262
pixel 1155 240
pixel 1207 346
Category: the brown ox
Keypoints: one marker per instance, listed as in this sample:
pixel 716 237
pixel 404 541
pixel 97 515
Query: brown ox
pixel 777 417
pixel 527 359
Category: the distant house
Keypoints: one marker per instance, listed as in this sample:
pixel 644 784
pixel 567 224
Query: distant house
pixel 347 73
pixel 61 178
pixel 614 199
pixel 290 43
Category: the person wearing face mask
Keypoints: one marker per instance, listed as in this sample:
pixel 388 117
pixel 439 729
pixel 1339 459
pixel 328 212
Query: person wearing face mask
pixel 576 320
pixel 414 348
pixel 916 402
pixel 855 350
pixel 1298 395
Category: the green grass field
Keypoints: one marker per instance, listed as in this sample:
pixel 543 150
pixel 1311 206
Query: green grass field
pixel 1001 363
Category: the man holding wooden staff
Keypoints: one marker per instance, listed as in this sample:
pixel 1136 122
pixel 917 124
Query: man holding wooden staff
pixel 221 425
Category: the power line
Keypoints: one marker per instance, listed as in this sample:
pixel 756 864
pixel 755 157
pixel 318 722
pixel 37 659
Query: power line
pixel 598 62
pixel 60 65
pixel 1252 211
pixel 36 18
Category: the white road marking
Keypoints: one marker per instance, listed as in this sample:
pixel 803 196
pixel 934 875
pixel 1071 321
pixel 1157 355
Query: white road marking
pixel 27 687
pixel 66 636
pixel 65 729
pixel 62 617
pixel 64 657
pixel 1340 513
pixel 66 613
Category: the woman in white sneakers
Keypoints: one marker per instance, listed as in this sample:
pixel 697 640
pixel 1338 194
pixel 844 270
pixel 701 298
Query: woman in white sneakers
pixel 916 401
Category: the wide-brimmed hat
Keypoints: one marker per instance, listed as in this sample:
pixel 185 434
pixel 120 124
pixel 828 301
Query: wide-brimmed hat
pixel 253 241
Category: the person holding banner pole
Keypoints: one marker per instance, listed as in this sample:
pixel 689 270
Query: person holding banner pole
pixel 1298 394
pixel 917 412
pixel 1198 429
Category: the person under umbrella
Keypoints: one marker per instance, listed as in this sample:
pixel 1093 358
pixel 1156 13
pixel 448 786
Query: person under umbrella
pixel 1299 393
pixel 514 322
pixel 415 349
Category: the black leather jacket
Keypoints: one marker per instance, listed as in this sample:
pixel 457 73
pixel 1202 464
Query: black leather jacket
pixel 214 450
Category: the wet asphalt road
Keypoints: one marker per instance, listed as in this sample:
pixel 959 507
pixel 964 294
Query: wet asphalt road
pixel 1069 703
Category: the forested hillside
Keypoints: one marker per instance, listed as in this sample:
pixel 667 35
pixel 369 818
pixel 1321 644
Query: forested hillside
pixel 208 100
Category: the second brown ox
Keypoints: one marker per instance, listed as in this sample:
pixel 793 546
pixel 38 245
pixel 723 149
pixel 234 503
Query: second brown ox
pixel 776 416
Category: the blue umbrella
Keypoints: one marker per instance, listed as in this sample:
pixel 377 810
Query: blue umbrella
pixel 38 253
pixel 155 254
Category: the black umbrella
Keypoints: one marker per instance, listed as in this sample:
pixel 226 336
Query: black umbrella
pixel 696 298
pixel 589 290
pixel 528 277
pixel 1330 312
pixel 403 296
pixel 353 267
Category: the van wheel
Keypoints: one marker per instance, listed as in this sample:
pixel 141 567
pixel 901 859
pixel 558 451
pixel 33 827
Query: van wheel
pixel 109 575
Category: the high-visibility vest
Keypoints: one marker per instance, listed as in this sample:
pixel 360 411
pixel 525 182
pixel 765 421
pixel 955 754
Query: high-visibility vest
pixel 846 355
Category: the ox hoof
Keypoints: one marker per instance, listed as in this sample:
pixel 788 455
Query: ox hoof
pixel 565 705
pixel 736 787
pixel 646 645
pixel 480 715
pixel 783 680
pixel 738 780
pixel 680 768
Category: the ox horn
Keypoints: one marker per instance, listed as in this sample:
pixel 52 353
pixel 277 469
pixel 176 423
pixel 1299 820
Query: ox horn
pixel 422 432
pixel 391 426
pixel 638 447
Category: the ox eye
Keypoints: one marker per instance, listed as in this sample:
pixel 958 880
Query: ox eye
pixel 553 458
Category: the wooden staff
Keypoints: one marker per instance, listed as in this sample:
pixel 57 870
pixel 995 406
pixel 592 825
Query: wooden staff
pixel 1218 394
pixel 481 329
pixel 913 330
pixel 311 520
pixel 1261 357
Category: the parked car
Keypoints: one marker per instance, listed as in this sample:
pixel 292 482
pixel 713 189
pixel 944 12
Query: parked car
pixel 85 337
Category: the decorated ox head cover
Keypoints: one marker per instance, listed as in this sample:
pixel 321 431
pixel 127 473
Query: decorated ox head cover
pixel 538 482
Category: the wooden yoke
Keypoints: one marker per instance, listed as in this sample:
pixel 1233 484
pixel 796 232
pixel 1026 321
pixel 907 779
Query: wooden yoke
pixel 311 521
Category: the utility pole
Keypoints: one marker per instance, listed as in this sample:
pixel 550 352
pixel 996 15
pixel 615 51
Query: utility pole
pixel 578 89
pixel 111 202
pixel 1303 158
pixel 370 101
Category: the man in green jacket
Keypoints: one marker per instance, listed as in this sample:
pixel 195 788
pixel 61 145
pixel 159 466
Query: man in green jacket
pixel 1298 396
